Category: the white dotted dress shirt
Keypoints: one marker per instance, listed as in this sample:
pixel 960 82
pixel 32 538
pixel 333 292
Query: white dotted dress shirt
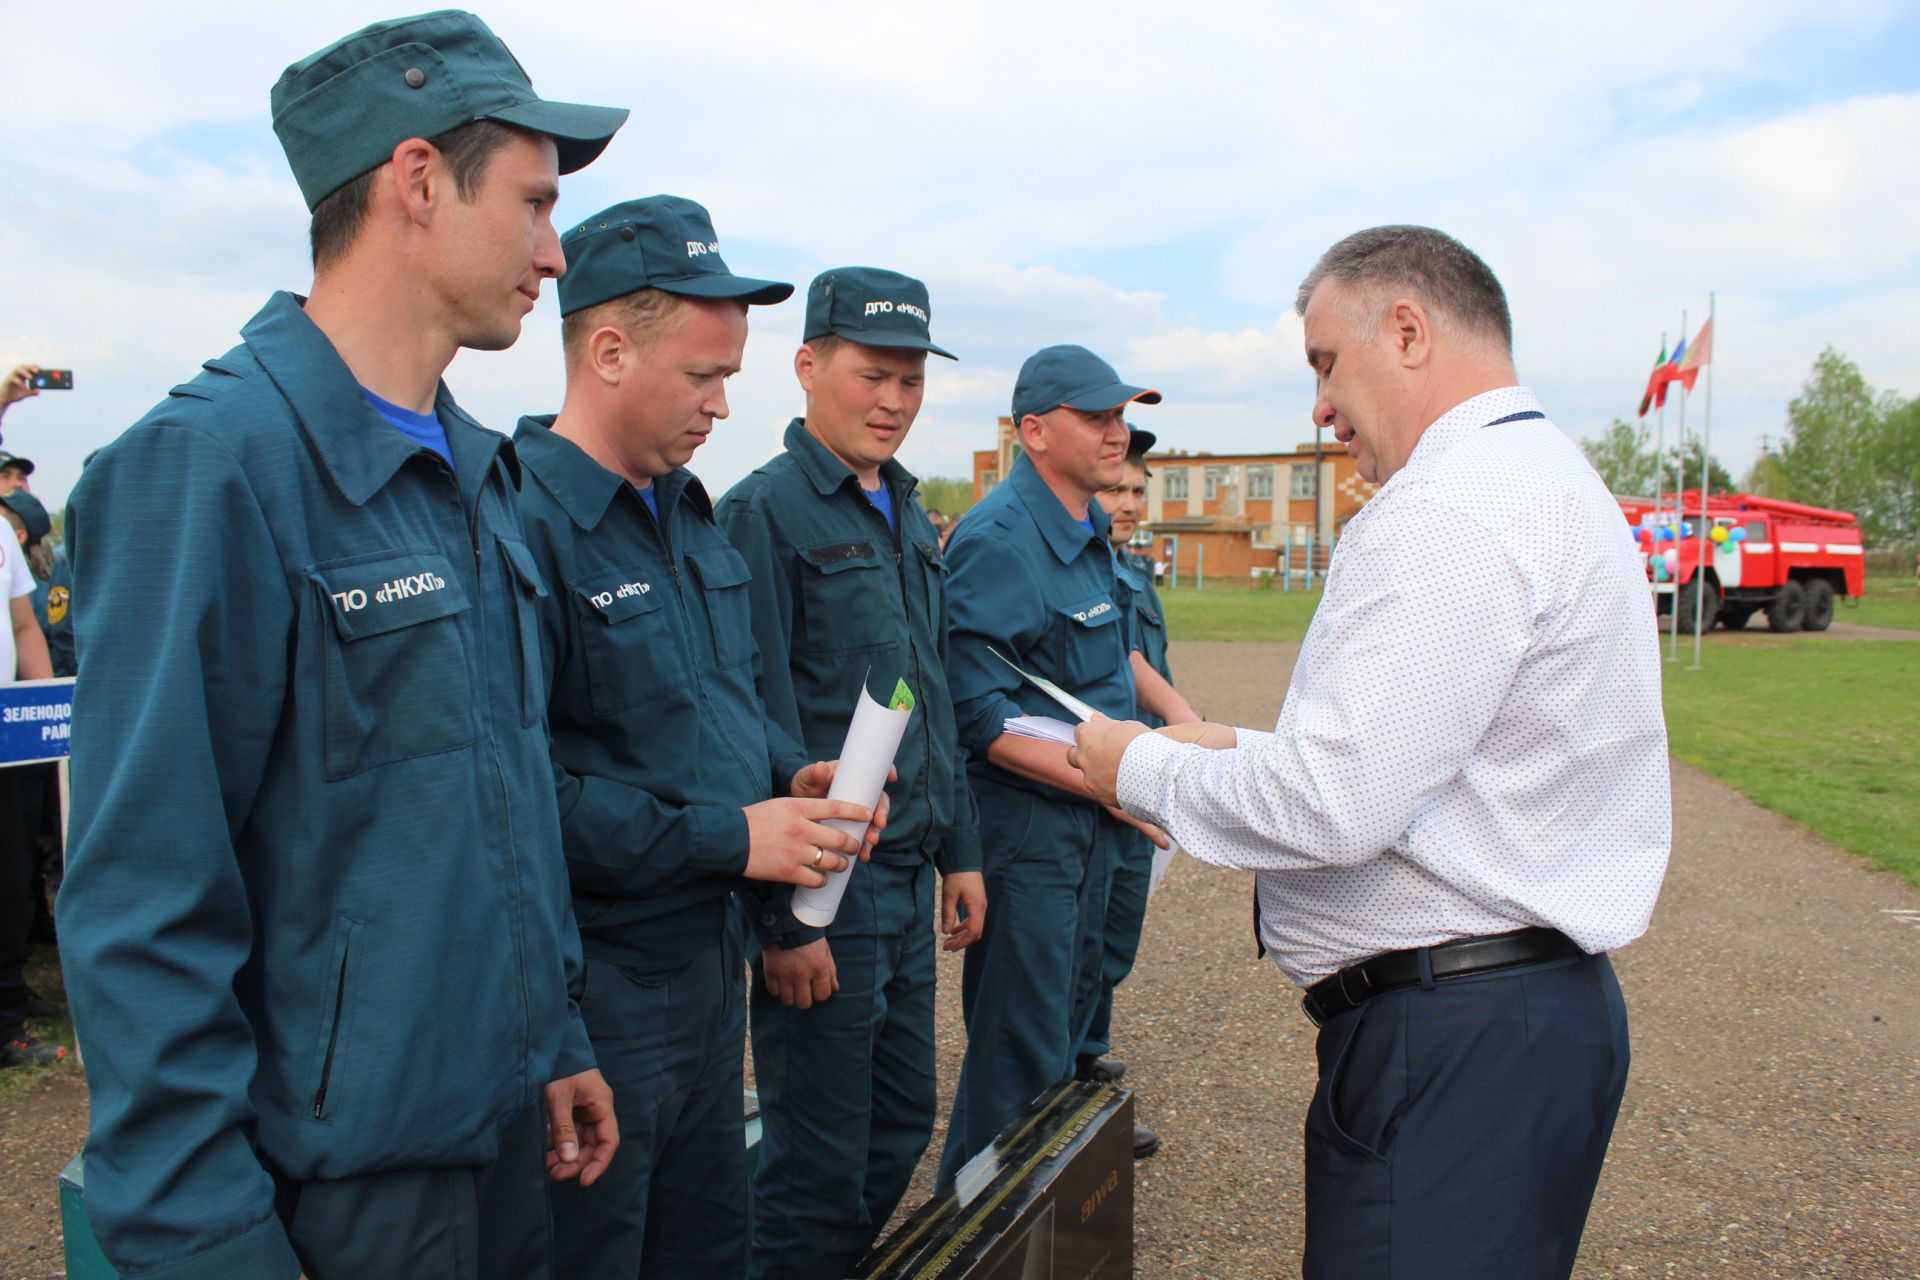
pixel 1472 741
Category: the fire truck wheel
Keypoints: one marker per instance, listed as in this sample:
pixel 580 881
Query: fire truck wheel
pixel 1734 619
pixel 1819 615
pixel 1788 607
pixel 1709 608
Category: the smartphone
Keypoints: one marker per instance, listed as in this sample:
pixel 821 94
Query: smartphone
pixel 53 379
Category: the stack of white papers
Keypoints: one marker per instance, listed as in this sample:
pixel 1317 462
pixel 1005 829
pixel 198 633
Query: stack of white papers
pixel 1045 728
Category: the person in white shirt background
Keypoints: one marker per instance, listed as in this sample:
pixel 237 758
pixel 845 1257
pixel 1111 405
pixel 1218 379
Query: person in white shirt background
pixel 1465 803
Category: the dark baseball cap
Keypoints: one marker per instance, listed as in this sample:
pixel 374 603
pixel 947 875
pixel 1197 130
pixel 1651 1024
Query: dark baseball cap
pixel 1140 443
pixel 661 242
pixel 22 465
pixel 342 111
pixel 28 508
pixel 871 306
pixel 1074 377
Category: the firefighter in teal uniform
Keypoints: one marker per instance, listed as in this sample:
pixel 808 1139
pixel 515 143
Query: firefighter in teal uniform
pixel 665 763
pixel 1129 852
pixel 849 584
pixel 1032 576
pixel 315 924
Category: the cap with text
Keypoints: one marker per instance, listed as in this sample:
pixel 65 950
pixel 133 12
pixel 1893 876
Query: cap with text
pixel 1074 377
pixel 871 306
pixel 661 242
pixel 342 111
pixel 23 465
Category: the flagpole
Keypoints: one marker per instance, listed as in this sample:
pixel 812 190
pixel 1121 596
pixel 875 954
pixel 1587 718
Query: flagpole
pixel 1706 454
pixel 1679 511
pixel 1659 461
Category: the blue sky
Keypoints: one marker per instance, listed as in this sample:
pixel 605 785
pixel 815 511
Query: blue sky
pixel 1149 180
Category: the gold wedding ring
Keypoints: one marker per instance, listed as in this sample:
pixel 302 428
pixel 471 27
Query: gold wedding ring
pixel 818 853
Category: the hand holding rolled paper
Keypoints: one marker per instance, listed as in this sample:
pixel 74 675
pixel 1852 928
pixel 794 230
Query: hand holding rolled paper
pixel 859 777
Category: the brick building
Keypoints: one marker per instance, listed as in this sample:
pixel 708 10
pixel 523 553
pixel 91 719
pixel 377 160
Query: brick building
pixel 1232 514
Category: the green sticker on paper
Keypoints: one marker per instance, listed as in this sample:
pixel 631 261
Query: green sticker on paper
pixel 902 699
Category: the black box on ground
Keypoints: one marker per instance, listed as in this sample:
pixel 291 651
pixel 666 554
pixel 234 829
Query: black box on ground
pixel 1051 1199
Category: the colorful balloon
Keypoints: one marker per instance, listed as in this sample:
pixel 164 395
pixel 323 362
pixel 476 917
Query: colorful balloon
pixel 1719 533
pixel 1738 535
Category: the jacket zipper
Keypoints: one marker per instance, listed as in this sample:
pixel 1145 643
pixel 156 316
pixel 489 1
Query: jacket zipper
pixel 333 1036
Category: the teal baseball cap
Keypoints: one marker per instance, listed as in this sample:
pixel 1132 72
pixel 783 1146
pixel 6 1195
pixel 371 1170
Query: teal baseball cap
pixel 871 306
pixel 342 111
pixel 1074 377
pixel 660 242
pixel 31 514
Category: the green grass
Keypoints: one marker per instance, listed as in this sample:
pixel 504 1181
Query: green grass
pixel 43 975
pixel 1824 731
pixel 1232 610
pixel 1889 602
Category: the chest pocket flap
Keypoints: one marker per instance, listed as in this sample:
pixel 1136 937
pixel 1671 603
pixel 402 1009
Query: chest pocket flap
pixel 630 640
pixel 395 684
pixel 379 596
pixel 1092 644
pixel 1095 611
pixel 724 576
pixel 846 599
pixel 617 603
pixel 523 574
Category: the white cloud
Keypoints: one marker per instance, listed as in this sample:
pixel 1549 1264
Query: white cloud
pixel 1151 181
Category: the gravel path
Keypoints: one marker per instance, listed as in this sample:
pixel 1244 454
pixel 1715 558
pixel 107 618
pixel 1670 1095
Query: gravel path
pixel 1772 1121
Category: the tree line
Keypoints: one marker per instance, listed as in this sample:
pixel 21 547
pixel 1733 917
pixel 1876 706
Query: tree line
pixel 1846 445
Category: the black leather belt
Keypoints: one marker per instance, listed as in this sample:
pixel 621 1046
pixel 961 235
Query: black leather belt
pixel 1393 970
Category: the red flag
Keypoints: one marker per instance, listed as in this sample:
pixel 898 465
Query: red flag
pixel 1656 385
pixel 1699 354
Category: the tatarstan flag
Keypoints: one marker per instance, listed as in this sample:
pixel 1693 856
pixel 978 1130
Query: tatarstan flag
pixel 1698 355
pixel 1656 385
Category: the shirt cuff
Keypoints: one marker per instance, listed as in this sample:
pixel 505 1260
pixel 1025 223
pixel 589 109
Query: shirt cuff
pixel 720 842
pixel 576 1049
pixel 1143 770
pixel 769 910
pixel 960 851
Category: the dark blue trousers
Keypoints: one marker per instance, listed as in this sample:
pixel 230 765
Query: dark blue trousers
pixel 1459 1130
pixel 1018 982
pixel 846 1087
pixel 671 1045
pixel 459 1222
pixel 1129 856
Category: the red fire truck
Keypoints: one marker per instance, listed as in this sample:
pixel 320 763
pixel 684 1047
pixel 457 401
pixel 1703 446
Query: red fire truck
pixel 1785 559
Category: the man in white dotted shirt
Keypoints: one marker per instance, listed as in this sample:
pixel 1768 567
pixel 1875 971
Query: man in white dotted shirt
pixel 1465 803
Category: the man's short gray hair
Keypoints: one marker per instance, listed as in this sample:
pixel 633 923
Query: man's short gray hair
pixel 1430 266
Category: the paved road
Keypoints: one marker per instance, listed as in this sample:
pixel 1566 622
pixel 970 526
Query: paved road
pixel 1772 1122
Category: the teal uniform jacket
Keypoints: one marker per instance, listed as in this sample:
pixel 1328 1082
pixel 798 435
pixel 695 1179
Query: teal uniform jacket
pixel 838 596
pixel 1031 582
pixel 53 610
pixel 315 918
pixel 1149 619
pixel 660 738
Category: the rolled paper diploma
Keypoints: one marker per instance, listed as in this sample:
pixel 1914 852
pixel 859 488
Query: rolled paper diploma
pixel 873 737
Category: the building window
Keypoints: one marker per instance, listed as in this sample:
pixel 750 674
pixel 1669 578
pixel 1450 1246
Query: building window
pixel 1260 482
pixel 1216 477
pixel 1303 483
pixel 988 479
pixel 1176 482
